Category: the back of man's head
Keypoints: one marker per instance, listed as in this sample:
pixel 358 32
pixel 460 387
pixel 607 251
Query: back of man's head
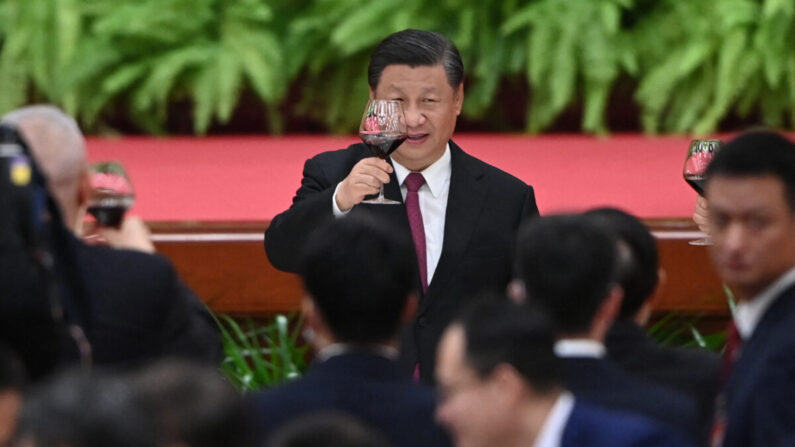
pixel 359 273
pixel 567 264
pixel 638 270
pixel 416 48
pixel 194 406
pixel 501 332
pixel 756 154
pixel 58 145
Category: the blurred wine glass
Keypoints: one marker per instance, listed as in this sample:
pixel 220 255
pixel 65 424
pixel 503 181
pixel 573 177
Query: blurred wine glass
pixel 383 130
pixel 699 155
pixel 111 193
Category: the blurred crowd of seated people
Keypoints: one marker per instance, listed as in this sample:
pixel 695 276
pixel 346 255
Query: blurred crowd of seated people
pixel 102 344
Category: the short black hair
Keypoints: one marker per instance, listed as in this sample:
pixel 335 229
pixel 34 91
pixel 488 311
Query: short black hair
pixel 757 154
pixel 359 271
pixel 416 48
pixel 327 429
pixel 13 375
pixel 567 264
pixel 193 404
pixel 638 272
pixel 81 409
pixel 501 332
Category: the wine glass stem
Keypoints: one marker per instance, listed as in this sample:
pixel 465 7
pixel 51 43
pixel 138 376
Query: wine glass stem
pixel 381 193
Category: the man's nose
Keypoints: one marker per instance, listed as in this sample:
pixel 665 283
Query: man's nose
pixel 736 237
pixel 414 116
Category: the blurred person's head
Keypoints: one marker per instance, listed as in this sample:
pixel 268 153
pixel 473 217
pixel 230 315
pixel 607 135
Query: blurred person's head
pixel 12 383
pixel 80 409
pixel 360 279
pixel 566 266
pixel 639 269
pixel 498 375
pixel 424 71
pixel 194 406
pixel 59 148
pixel 751 194
pixel 326 429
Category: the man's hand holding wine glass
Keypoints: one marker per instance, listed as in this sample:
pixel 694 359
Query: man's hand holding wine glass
pixel 365 179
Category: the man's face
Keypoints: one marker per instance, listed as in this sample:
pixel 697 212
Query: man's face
pixel 431 107
pixel 471 408
pixel 752 229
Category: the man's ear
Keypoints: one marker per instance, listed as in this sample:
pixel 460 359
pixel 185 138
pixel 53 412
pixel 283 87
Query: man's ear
pixel 372 93
pixel 458 98
pixel 516 291
pixel 506 381
pixel 410 308
pixel 611 306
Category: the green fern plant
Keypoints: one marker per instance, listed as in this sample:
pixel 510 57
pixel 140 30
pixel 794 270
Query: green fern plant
pixel 572 48
pixel 262 355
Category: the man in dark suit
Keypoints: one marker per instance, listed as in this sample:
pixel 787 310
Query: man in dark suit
pixel 359 276
pixel 468 210
pixel 565 267
pixel 751 195
pixel 139 307
pixel 692 371
pixel 501 386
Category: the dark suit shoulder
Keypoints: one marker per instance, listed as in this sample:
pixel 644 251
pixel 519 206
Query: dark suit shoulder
pixel 595 426
pixel 494 173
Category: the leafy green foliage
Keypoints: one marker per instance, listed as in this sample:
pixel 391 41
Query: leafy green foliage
pixel 691 63
pixel 261 355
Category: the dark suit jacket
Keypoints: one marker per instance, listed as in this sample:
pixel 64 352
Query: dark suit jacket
pixel 593 426
pixel 692 371
pixel 601 382
pixel 141 310
pixel 365 385
pixel 484 208
pixel 760 392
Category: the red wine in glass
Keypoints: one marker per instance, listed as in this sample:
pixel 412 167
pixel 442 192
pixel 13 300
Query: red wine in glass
pixel 699 155
pixel 383 130
pixel 382 145
pixel 111 193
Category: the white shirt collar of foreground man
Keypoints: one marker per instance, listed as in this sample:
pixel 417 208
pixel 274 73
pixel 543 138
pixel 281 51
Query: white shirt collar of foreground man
pixel 579 347
pixel 551 433
pixel 748 313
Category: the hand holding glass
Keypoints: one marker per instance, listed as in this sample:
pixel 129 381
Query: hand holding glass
pixel 699 155
pixel 111 193
pixel 383 130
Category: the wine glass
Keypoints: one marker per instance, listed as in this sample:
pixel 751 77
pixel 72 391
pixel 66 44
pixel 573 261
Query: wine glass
pixel 699 155
pixel 111 193
pixel 383 129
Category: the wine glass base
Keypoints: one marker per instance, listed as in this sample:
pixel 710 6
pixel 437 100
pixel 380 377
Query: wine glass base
pixel 382 201
pixel 701 242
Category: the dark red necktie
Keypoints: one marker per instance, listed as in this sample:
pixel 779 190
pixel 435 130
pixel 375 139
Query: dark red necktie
pixel 413 183
pixel 731 353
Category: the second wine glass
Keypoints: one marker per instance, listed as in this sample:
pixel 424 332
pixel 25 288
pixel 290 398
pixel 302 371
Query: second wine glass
pixel 383 130
pixel 699 155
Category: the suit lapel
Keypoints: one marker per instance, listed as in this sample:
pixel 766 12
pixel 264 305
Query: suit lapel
pixel 464 205
pixel 756 348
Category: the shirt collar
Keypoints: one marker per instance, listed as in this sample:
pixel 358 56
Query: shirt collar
pixel 345 348
pixel 579 347
pixel 748 313
pixel 436 175
pixel 551 433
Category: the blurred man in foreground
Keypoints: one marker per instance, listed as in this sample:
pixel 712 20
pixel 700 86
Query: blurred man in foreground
pixel 692 371
pixel 566 266
pixel 359 276
pixel 501 385
pixel 751 194
pixel 139 307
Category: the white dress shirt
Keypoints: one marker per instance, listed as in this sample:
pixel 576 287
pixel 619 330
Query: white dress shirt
pixel 551 433
pixel 433 204
pixel 579 347
pixel 748 313
pixel 336 349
